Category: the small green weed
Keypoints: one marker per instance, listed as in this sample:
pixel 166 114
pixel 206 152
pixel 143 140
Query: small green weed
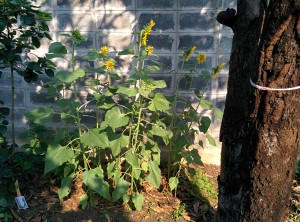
pixel 177 213
pixel 203 186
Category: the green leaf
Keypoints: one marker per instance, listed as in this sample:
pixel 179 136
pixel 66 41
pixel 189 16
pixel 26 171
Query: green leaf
pixel 34 66
pixel 173 183
pixel 117 142
pixel 218 113
pixel 56 156
pixel 68 77
pixel 204 124
pixel 49 72
pixel 40 115
pixel 3 23
pixel 196 157
pixel 129 51
pixel 159 103
pixel 114 118
pixel 57 48
pixel 127 91
pixel 83 201
pixel 138 200
pixel 154 176
pixel 206 104
pixel 159 84
pixel 27 20
pixel 4 155
pixel 95 138
pixel 153 68
pixel 210 139
pixel 3 202
pixel 159 131
pixel 132 159
pixel 65 187
pixel 35 41
pixel 145 166
pixel 126 198
pixel 121 188
pixel 94 179
pixel 93 55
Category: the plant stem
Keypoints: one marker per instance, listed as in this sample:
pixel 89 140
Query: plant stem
pixel 78 119
pixel 13 109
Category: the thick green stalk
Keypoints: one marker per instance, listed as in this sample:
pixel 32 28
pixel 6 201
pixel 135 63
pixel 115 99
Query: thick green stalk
pixel 173 120
pixel 13 109
pixel 78 119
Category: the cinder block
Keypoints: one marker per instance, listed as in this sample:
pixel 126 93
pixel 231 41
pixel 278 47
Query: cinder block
pixel 89 44
pixel 199 3
pixel 202 42
pixel 225 44
pixel 191 64
pixel 199 83
pixel 75 3
pixel 115 42
pixel 167 78
pixel 197 21
pixel 41 98
pixel 5 80
pixel 161 43
pixel 164 60
pixel 229 4
pixel 70 21
pixel 221 84
pixel 114 4
pixel 5 95
pixel 162 4
pixel 115 20
pixel 163 21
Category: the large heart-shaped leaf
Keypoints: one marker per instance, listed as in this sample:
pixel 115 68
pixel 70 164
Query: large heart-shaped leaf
pixel 94 138
pixel 40 115
pixel 154 176
pixel 68 77
pixel 94 179
pixel 114 118
pixel 56 156
pixel 138 200
pixel 57 48
pixel 121 189
pixel 65 187
pixel 159 103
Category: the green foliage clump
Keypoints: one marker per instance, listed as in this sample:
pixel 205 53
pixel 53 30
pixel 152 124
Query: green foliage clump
pixel 203 186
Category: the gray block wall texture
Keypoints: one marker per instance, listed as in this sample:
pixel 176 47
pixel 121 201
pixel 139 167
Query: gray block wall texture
pixel 180 24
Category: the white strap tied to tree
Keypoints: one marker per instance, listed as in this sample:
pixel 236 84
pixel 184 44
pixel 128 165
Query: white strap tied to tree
pixel 272 89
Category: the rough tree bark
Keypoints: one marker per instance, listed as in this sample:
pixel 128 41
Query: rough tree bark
pixel 260 129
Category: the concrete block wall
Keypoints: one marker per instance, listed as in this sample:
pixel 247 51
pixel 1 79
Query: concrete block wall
pixel 180 24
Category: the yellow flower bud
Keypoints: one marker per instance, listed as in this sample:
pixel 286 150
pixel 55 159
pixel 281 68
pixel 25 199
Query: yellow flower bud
pixel 201 58
pixel 149 50
pixel 109 65
pixel 104 50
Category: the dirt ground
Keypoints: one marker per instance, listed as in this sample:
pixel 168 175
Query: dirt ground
pixel 159 205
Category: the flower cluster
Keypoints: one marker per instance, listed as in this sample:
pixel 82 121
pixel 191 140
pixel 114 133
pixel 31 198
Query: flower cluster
pixel 149 50
pixel 201 58
pixel 104 50
pixel 147 32
pixel 189 53
pixel 109 65
pixel 217 70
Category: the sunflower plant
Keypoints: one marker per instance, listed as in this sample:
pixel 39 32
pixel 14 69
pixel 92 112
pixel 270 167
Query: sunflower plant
pixel 121 150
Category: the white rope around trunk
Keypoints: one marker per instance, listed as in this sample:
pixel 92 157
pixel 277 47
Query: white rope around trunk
pixel 272 89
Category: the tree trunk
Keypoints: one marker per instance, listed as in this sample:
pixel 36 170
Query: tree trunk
pixel 261 128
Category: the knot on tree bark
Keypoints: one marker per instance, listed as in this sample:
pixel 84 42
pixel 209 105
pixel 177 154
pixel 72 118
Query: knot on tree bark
pixel 227 17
